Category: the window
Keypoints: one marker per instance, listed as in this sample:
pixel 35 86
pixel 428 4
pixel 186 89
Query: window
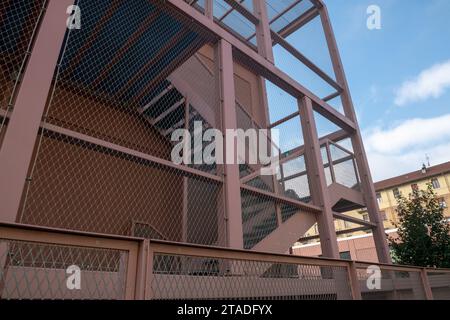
pixel 396 192
pixel 316 229
pixel 442 203
pixel 414 187
pixel 435 183
pixel 366 217
pixel 345 255
pixel 383 215
pixel 346 224
pixel 379 198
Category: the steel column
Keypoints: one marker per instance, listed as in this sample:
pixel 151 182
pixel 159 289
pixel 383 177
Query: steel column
pixel 209 9
pixel 317 180
pixel 19 140
pixel 367 185
pixel 263 35
pixel 426 284
pixel 354 282
pixel 233 211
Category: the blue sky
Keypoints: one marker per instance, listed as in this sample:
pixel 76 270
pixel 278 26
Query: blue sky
pixel 399 77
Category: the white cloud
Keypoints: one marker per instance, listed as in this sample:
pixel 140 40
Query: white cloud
pixel 402 148
pixel 431 82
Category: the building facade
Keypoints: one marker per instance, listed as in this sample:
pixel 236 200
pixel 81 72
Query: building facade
pixel 359 245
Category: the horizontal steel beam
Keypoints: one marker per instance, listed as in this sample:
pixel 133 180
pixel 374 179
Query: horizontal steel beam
pixel 302 58
pixel 121 149
pixel 243 11
pixel 341 216
pixel 296 24
pixel 301 205
pixel 337 232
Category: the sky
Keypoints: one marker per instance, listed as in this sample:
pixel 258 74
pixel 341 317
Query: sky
pixel 399 78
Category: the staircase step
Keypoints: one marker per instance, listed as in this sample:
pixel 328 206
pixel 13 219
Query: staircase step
pixel 157 97
pixel 164 103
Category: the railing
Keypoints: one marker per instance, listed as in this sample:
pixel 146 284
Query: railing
pixel 42 263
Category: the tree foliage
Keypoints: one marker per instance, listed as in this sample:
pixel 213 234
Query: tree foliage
pixel 423 236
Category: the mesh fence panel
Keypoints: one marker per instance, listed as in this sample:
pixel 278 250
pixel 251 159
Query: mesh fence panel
pixel 104 156
pixel 440 284
pixel 393 285
pixel 116 190
pixel 18 22
pixel 185 277
pixel 294 181
pixel 344 167
pixel 39 271
pixel 259 217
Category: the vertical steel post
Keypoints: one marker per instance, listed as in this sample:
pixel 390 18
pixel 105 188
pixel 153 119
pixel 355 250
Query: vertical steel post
pixel 141 273
pixel 149 294
pixel 426 284
pixel 20 138
pixel 263 36
pixel 317 180
pixel 187 146
pixel 354 282
pixel 357 143
pixel 209 9
pixel 233 211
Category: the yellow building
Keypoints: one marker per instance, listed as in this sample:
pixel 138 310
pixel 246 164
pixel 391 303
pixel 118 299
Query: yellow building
pixel 438 176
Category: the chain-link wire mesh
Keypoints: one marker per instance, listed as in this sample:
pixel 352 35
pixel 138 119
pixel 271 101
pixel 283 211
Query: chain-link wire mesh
pixel 259 217
pixel 30 270
pixel 185 277
pixel 344 166
pixel 125 82
pixel 18 24
pixel 293 178
pixel 115 190
pixel 390 284
pixel 440 284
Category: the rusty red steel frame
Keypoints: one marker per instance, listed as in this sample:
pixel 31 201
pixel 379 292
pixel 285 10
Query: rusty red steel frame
pixel 145 274
pixel 233 197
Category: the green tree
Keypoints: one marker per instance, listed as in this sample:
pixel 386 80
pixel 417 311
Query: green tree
pixel 423 232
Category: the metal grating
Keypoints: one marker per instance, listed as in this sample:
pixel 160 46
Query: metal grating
pixel 440 284
pixel 87 187
pixel 394 285
pixel 38 271
pixel 18 23
pixel 185 277
pixel 103 160
pixel 258 217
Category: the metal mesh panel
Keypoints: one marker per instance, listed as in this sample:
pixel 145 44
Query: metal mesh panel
pixel 440 284
pixel 111 83
pixel 282 13
pixel 259 217
pixel 394 285
pixel 18 22
pixel 124 84
pixel 290 135
pixel 344 167
pixel 87 187
pixel 185 277
pixel 293 178
pixel 38 271
pixel 233 20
